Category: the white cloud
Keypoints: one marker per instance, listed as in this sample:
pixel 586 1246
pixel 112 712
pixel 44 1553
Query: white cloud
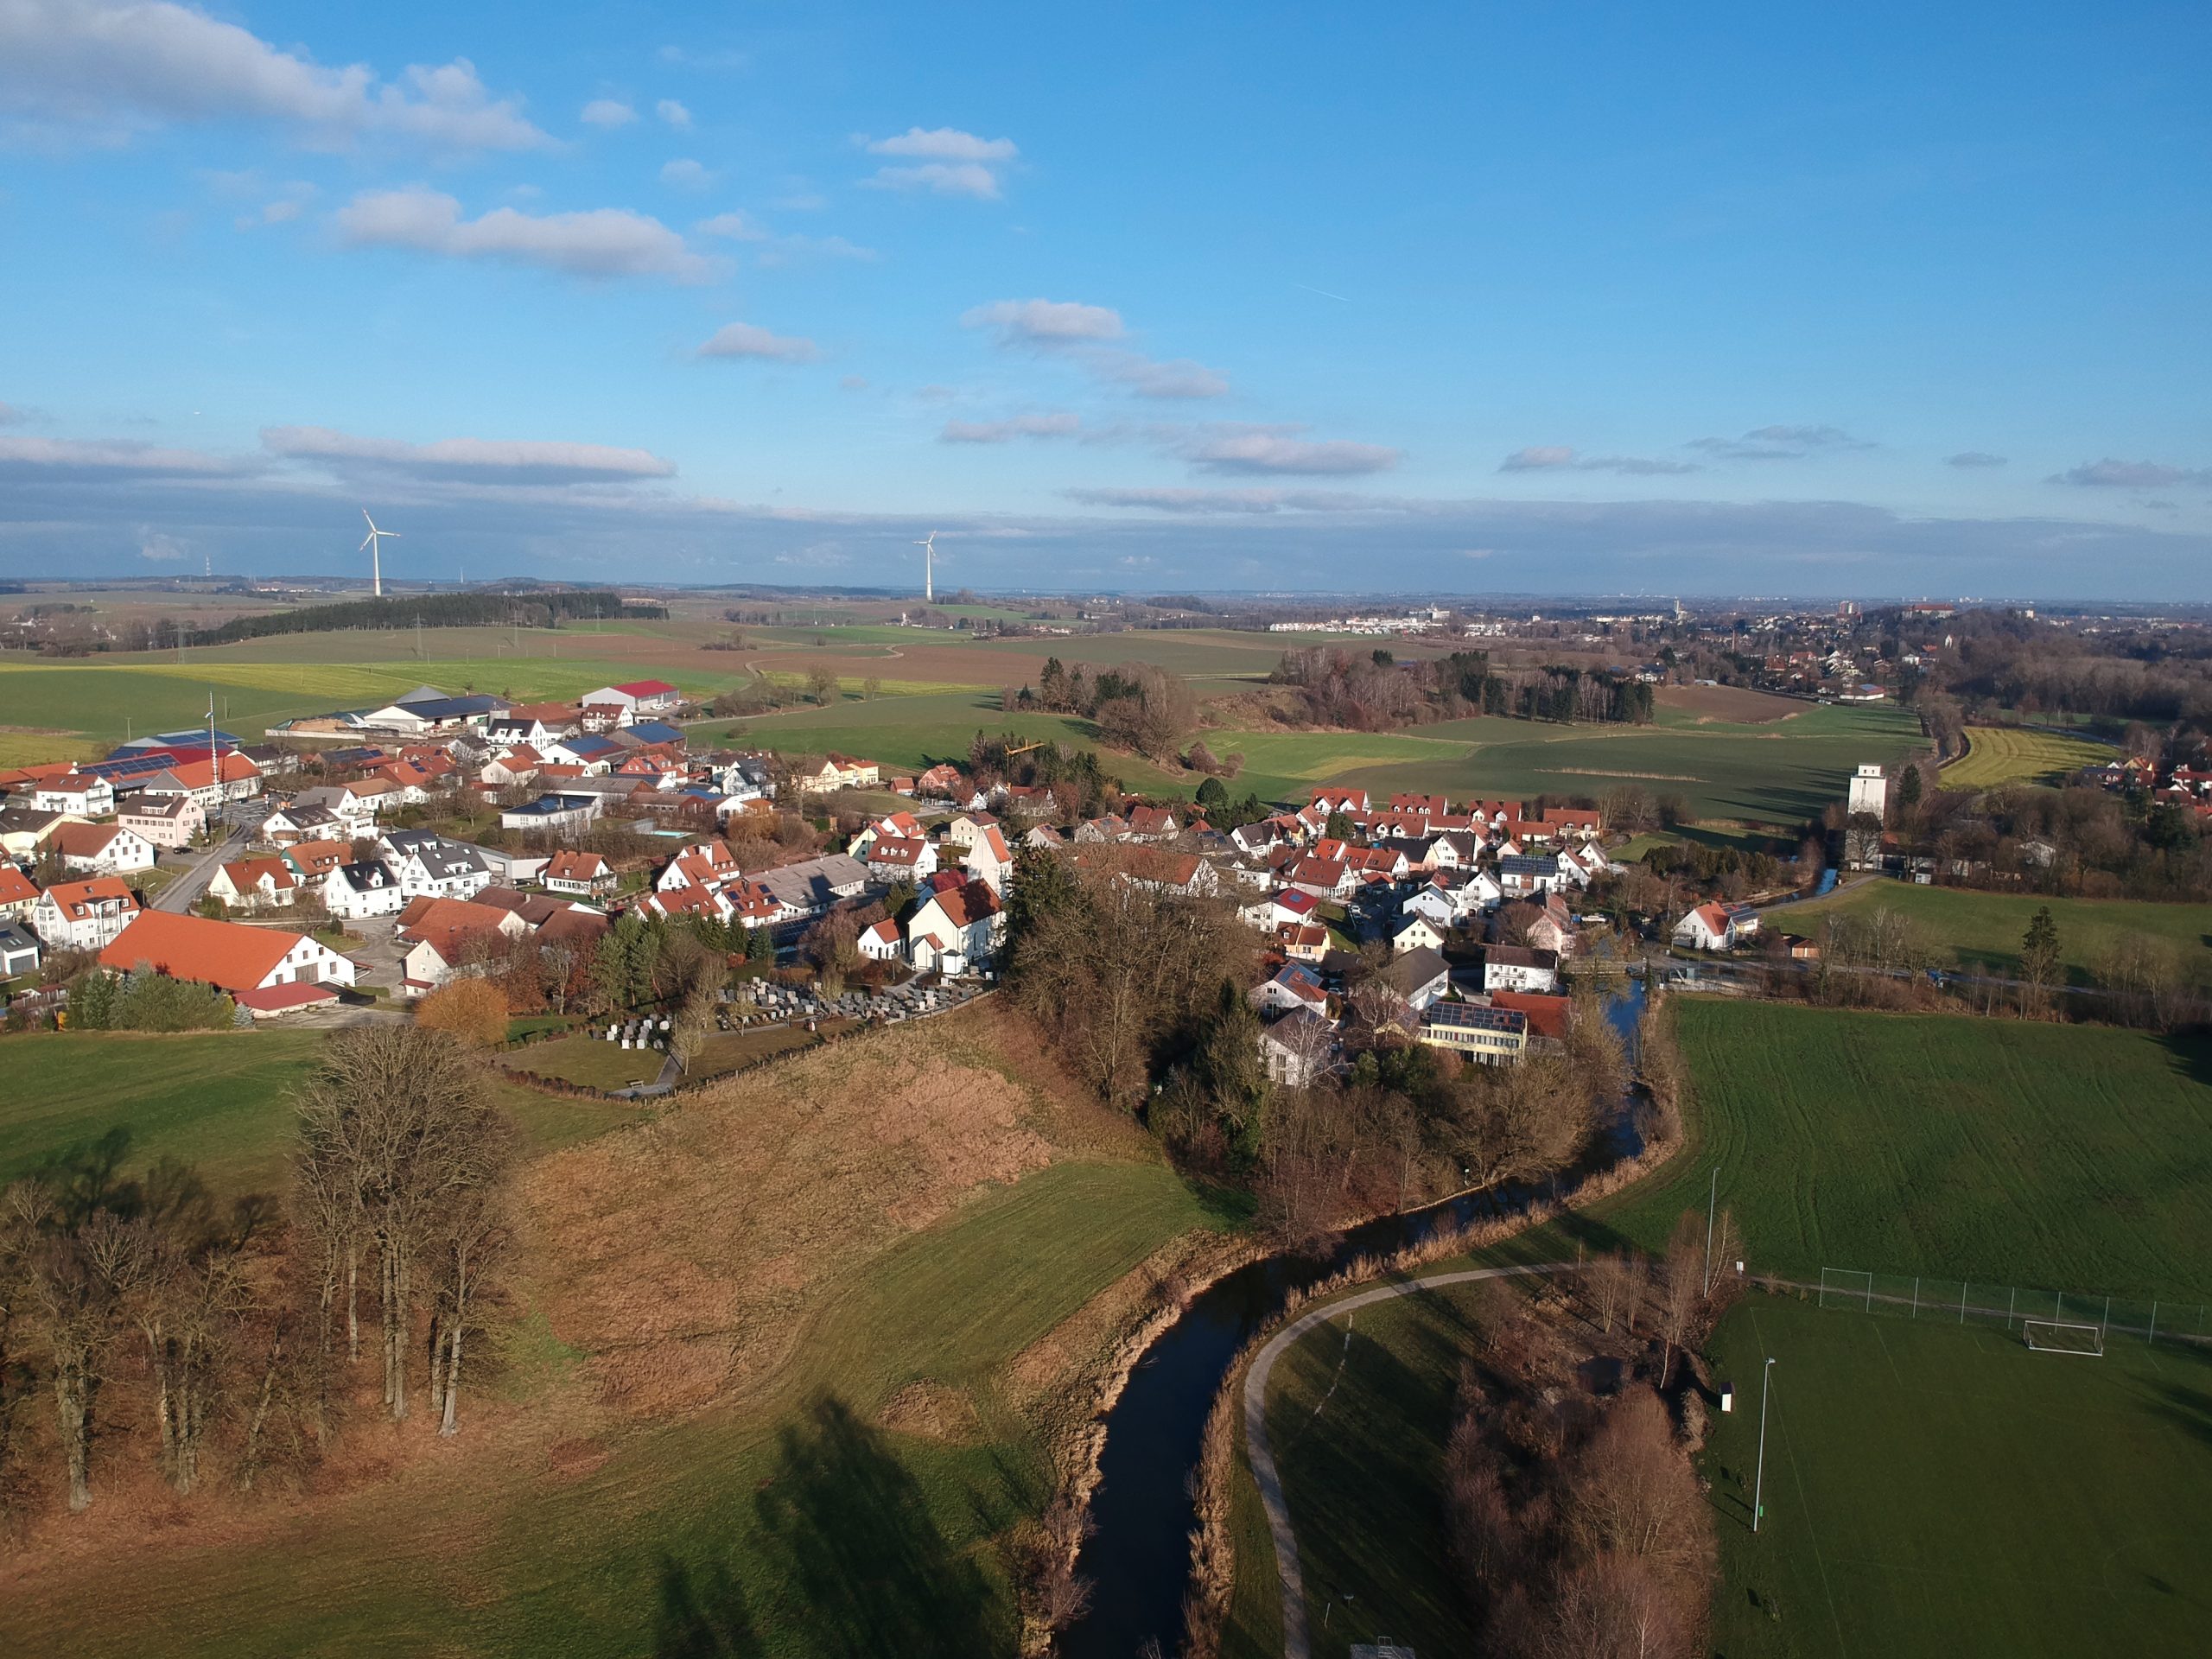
pixel 684 174
pixel 526 461
pixel 104 69
pixel 746 340
pixel 9 415
pixel 943 145
pixel 735 227
pixel 1045 323
pixel 109 456
pixel 781 248
pixel 942 160
pixel 1780 443
pixel 943 178
pixel 2110 473
pixel 1177 377
pixel 1556 457
pixel 1280 449
pixel 1972 458
pixel 160 546
pixel 602 242
pixel 853 383
pixel 1213 502
pixel 1078 331
pixel 608 112
pixel 673 112
pixel 1019 426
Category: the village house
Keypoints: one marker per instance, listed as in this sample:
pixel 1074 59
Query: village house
pixel 20 952
pixel 1298 1048
pixel 255 884
pixel 809 888
pixel 168 821
pixel 312 860
pixel 900 858
pixel 879 942
pixel 836 770
pixel 83 795
pixel 553 814
pixel 356 891
pixel 1294 985
pixel 1715 927
pixel 1421 976
pixel 300 821
pixel 17 893
pixel 266 970
pixel 965 827
pixel 955 929
pixel 443 938
pixel 101 849
pixel 1417 933
pixel 1492 1036
pixel 988 859
pixel 428 863
pixel 587 873
pixel 207 782
pixel 84 915
pixel 638 696
pixel 1527 875
pixel 1519 968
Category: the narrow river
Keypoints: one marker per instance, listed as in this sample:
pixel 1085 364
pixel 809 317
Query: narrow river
pixel 1139 1556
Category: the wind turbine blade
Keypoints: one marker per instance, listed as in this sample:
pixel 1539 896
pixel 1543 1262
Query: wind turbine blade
pixel 391 534
pixel 368 541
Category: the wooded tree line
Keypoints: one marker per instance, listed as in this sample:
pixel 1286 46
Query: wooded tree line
pixel 2026 666
pixel 1375 692
pixel 2077 841
pixel 213 1341
pixel 1137 706
pixel 1578 1524
pixel 546 609
pixel 1142 994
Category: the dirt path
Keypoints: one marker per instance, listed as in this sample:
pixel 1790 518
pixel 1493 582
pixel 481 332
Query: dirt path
pixel 1295 1642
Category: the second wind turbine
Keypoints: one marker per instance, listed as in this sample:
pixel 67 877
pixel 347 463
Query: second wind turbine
pixel 928 545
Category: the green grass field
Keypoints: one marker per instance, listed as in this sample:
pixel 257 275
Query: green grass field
pixel 218 1100
pixel 105 700
pixel 1980 932
pixel 1937 1490
pixel 1782 773
pixel 1967 1495
pixel 2071 1158
pixel 2009 755
pixel 791 1524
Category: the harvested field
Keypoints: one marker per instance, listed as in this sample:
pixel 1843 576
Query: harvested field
pixel 868 1275
pixel 1739 705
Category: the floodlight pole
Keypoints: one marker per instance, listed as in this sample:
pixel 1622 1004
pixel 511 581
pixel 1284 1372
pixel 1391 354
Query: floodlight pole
pixel 1712 1199
pixel 1758 1482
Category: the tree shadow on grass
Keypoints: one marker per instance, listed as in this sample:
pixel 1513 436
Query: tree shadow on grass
pixel 866 1559
pixel 703 1614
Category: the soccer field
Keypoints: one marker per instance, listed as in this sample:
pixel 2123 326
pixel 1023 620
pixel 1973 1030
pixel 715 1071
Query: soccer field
pixel 1937 1489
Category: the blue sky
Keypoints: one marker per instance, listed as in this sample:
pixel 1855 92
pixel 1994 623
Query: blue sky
pixel 1464 298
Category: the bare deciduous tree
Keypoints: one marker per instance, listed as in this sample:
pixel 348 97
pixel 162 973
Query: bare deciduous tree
pixel 398 1118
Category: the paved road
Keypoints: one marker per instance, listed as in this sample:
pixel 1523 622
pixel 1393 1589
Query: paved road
pixel 184 891
pixel 1296 1644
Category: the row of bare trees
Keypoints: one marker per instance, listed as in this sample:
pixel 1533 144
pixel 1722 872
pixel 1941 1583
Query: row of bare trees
pixel 402 1168
pixel 102 1276
pixel 149 1315
pixel 1579 1528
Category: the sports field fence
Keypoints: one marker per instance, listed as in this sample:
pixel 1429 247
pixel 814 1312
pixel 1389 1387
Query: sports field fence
pixel 1959 1300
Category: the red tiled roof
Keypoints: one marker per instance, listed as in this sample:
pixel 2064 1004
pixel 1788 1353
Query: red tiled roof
pixel 76 898
pixel 228 955
pixel 15 887
pixel 280 999
pixel 647 689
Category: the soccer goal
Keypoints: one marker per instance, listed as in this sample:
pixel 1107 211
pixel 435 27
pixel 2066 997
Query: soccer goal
pixel 2051 1337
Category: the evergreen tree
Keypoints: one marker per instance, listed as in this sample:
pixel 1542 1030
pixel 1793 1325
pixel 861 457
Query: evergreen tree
pixel 2039 950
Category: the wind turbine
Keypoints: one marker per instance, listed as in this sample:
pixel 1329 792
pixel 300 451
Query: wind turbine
pixel 928 545
pixel 374 542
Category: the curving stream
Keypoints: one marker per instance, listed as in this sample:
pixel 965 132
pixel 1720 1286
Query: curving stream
pixel 1139 1556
